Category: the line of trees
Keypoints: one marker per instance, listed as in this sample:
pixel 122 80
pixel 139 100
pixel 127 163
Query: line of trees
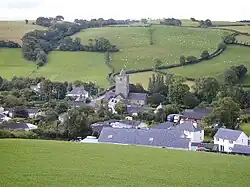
pixel 171 21
pixel 9 44
pixel 95 45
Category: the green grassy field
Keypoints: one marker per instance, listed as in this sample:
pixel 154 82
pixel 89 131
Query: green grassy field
pixel 71 66
pixel 12 63
pixel 62 66
pixel 170 44
pixel 51 163
pixel 243 38
pixel 245 29
pixel 15 30
pixel 234 55
pixel 246 128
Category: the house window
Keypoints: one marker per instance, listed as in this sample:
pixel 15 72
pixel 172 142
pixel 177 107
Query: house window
pixel 231 142
pixel 110 136
pixel 112 100
pixel 217 139
pixel 242 140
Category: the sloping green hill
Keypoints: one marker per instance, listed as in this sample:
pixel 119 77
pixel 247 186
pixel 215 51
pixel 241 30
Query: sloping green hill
pixel 170 44
pixel 52 163
pixel 71 66
pixel 234 55
pixel 12 63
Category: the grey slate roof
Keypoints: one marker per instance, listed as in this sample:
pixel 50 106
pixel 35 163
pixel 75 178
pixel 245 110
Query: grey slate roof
pixel 188 126
pixel 147 137
pixel 109 95
pixel 197 113
pixel 134 109
pixel 137 96
pixel 16 126
pixel 243 149
pixel 78 91
pixel 165 125
pixel 228 134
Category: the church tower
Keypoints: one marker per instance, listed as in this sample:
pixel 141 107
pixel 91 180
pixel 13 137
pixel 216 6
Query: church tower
pixel 122 84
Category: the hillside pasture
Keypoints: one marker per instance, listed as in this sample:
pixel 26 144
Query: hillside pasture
pixel 169 44
pixel 15 30
pixel 51 163
pixel 234 55
pixel 13 64
pixel 244 29
pixel 72 66
pixel 243 38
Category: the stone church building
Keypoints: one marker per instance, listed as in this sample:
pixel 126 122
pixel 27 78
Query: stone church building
pixel 122 93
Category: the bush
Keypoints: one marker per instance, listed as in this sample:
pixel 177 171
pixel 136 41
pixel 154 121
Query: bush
pixel 191 59
pixel 18 134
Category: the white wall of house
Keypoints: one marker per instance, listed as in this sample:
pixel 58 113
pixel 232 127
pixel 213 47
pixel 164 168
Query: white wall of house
pixel 112 102
pixel 196 137
pixel 227 145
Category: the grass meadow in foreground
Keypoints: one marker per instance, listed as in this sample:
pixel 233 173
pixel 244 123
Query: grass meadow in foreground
pixel 15 30
pixel 52 163
pixel 72 66
pixel 169 44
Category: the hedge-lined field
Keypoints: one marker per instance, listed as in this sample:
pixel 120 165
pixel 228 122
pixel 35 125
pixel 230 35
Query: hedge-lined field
pixel 244 29
pixel 52 163
pixel 12 63
pixel 234 55
pixel 170 44
pixel 14 30
pixel 71 66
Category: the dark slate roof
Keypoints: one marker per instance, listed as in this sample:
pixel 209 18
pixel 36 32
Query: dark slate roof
pixel 165 125
pixel 130 122
pixel 78 91
pixel 206 110
pixel 148 137
pixel 32 110
pixel 16 126
pixel 196 113
pixel 243 149
pixel 188 126
pixel 137 96
pixel 228 134
pixel 134 109
pixel 109 95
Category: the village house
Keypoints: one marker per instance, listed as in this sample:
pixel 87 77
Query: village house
pixel 196 114
pixel 19 126
pixel 226 139
pixel 36 88
pixel 123 94
pixel 170 139
pixel 78 93
pixel 23 112
pixel 97 127
pixel 190 130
